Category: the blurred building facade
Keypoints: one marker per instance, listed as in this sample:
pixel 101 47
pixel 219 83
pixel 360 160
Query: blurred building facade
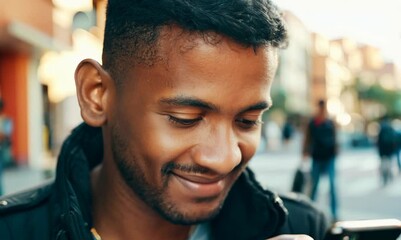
pixel 351 76
pixel 56 69
pixel 24 37
pixel 38 56
pixel 294 71
pixel 330 76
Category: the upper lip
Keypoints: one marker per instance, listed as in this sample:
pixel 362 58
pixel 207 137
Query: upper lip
pixel 202 179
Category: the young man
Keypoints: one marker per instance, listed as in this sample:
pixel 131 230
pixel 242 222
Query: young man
pixel 172 118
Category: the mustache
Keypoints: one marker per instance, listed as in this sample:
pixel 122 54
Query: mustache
pixel 168 167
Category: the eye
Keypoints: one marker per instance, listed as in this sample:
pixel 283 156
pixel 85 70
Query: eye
pixel 184 122
pixel 248 124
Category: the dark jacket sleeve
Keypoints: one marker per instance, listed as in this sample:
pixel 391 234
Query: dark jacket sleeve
pixel 24 216
pixel 303 217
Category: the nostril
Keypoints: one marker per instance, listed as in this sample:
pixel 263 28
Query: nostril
pixel 220 151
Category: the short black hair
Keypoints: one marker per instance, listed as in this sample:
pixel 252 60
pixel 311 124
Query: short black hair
pixel 133 26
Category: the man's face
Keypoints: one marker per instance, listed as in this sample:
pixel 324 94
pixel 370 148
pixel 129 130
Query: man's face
pixel 183 129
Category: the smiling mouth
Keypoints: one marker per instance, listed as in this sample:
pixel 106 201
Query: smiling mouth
pixel 199 186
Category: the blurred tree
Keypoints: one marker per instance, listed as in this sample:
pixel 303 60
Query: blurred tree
pixel 390 99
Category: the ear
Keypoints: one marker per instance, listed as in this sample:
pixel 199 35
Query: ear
pixel 93 84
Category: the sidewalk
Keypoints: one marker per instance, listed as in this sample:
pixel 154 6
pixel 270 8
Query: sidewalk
pixel 16 179
pixel 360 193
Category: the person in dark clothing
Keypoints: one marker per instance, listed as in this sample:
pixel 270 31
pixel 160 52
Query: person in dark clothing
pixel 172 118
pixel 320 143
pixel 287 131
pixel 398 150
pixel 387 147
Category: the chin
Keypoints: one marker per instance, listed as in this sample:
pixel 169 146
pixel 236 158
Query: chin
pixel 193 218
pixel 203 211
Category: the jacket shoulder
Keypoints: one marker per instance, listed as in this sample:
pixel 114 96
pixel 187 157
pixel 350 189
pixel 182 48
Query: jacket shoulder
pixel 26 199
pixel 303 216
pixel 27 210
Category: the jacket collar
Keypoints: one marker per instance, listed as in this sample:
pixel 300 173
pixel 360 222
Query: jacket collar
pixel 80 152
pixel 249 211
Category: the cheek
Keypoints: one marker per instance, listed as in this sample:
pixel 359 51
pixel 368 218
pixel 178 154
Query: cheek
pixel 249 145
pixel 158 141
pixel 164 143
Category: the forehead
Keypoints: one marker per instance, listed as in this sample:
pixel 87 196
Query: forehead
pixel 173 40
pixel 204 66
pixel 193 49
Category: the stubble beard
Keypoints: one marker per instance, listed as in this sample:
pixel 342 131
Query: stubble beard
pixel 156 198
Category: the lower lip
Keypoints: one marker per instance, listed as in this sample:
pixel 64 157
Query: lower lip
pixel 201 189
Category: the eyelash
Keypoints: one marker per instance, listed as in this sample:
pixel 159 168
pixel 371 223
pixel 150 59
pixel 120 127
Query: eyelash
pixel 244 123
pixel 184 122
pixel 248 124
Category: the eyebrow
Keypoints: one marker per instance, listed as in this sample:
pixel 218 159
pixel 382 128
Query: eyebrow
pixel 182 101
pixel 263 105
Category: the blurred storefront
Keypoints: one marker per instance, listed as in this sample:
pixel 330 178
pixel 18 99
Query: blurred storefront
pixel 56 69
pixel 41 43
pixel 24 37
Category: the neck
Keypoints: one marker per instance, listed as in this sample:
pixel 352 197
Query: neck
pixel 118 213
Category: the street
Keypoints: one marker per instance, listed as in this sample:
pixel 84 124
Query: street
pixel 360 193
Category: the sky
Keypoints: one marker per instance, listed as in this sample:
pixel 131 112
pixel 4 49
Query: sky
pixel 374 22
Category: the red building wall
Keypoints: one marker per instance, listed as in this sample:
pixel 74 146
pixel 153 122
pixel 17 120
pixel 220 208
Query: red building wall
pixel 14 91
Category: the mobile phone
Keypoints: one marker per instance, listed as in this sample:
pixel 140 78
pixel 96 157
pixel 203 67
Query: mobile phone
pixel 378 229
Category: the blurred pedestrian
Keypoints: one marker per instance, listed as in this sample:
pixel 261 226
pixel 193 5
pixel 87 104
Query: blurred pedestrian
pixel 172 118
pixel 387 147
pixel 6 127
pixel 320 144
pixel 287 131
pixel 398 150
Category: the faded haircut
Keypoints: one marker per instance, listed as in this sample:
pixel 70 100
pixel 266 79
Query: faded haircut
pixel 133 26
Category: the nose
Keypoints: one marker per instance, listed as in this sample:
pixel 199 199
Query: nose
pixel 219 150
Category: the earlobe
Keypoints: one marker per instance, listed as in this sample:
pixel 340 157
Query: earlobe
pixel 92 83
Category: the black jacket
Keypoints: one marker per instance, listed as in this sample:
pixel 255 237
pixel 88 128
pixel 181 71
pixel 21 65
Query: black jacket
pixel 61 209
pixel 320 140
pixel 386 140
